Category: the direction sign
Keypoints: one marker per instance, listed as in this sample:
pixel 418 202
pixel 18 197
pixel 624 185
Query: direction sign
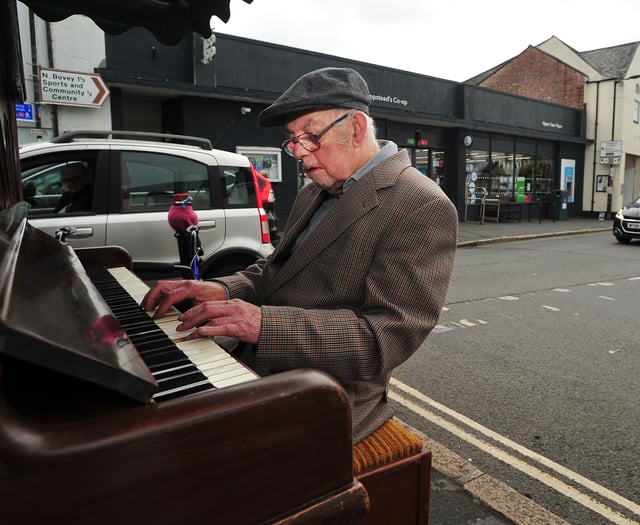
pixel 72 88
pixel 24 112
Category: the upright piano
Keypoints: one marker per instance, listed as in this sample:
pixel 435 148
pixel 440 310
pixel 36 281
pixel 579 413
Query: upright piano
pixel 103 419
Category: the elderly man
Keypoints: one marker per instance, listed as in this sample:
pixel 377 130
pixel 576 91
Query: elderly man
pixel 360 275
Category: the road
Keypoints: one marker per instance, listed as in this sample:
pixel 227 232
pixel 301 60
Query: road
pixel 533 373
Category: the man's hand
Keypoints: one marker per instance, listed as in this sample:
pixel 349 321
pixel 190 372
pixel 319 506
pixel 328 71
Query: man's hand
pixel 212 314
pixel 166 294
pixel 234 318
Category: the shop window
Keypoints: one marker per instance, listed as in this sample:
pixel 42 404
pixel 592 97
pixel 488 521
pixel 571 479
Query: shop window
pixel 477 178
pixel 525 169
pixel 543 175
pixel 501 173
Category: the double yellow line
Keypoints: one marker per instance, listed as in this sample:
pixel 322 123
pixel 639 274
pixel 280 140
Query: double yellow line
pixel 426 408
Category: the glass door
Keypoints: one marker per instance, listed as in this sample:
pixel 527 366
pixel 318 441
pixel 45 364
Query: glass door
pixel 431 162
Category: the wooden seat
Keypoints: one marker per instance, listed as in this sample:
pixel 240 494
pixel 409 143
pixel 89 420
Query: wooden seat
pixel 395 468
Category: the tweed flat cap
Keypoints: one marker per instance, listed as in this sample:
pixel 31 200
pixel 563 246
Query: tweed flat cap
pixel 329 87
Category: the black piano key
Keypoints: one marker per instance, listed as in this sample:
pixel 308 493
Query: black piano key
pixel 174 372
pixel 164 359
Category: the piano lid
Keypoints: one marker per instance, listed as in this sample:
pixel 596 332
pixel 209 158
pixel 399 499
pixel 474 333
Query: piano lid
pixel 52 315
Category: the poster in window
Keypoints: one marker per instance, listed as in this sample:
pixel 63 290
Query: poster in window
pixel 265 160
pixel 602 181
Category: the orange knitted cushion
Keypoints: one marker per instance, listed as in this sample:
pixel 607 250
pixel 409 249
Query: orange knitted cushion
pixel 389 443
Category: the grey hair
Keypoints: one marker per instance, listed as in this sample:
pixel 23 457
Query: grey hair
pixel 370 138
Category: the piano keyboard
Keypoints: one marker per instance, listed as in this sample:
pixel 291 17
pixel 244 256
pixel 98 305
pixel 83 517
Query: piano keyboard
pixel 180 367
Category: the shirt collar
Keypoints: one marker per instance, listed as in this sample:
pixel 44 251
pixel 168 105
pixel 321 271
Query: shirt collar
pixel 387 149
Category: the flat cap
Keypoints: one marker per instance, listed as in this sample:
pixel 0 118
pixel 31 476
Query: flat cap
pixel 329 87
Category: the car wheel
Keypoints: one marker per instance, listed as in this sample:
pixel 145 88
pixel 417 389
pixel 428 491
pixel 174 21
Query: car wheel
pixel 623 240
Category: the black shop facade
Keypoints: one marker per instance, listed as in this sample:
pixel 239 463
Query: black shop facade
pixel 474 142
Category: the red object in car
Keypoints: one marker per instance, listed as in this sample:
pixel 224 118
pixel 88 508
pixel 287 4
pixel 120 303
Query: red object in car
pixel 266 191
pixel 264 220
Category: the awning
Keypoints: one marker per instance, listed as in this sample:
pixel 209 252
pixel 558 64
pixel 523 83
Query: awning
pixel 168 20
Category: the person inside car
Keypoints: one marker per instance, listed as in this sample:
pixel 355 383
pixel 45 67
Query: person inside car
pixel 78 196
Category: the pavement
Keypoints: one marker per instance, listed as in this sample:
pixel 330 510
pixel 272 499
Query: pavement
pixel 472 233
pixel 460 493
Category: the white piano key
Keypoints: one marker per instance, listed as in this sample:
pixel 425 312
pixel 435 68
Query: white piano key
pixel 220 368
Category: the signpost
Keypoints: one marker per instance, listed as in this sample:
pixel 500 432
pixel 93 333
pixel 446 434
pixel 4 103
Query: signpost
pixel 72 88
pixel 611 154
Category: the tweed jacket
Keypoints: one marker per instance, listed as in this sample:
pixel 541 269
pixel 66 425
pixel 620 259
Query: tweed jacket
pixel 362 291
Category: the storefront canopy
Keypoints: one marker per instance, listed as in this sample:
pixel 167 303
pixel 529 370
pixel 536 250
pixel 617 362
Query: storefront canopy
pixel 168 20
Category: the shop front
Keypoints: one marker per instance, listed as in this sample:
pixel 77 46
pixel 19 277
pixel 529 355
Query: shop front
pixel 461 136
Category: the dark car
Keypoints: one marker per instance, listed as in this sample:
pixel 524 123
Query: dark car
pixel 626 223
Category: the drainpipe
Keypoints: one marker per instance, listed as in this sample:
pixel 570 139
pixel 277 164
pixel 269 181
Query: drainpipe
pixel 595 147
pixel 34 69
pixel 54 107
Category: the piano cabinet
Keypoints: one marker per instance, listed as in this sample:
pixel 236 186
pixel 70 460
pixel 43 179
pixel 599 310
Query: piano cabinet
pixel 275 450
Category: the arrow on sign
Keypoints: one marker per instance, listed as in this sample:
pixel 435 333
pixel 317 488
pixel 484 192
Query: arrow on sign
pixel 102 91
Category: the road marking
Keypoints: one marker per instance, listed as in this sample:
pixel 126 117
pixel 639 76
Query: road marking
pixel 561 290
pixel 607 298
pixel 601 284
pixel 552 308
pixel 462 323
pixel 519 464
pixel 509 298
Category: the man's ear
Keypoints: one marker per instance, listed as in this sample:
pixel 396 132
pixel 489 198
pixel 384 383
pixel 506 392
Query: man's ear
pixel 360 124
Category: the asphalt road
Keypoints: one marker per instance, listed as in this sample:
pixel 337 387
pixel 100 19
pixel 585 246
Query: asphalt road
pixel 532 375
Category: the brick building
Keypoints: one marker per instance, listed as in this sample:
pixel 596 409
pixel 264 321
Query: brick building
pixel 606 83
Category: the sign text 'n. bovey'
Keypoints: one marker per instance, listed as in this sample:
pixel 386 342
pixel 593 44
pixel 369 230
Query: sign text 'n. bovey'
pixel 72 88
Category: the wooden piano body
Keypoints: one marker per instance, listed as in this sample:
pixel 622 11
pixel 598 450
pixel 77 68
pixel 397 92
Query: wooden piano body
pixel 273 450
pixel 276 450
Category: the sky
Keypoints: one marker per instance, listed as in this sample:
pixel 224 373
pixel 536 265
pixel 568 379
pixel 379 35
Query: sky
pixel 448 39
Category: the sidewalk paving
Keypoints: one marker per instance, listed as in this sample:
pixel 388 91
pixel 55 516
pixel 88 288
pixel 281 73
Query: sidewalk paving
pixel 473 233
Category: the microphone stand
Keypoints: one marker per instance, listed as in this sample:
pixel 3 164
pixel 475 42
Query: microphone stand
pixel 184 220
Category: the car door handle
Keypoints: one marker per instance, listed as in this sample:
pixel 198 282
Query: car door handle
pixel 206 225
pixel 81 233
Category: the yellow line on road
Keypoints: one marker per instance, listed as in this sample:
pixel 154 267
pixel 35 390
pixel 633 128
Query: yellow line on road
pixel 515 462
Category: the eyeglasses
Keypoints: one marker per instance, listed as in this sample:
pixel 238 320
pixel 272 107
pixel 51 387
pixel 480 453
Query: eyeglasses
pixel 310 141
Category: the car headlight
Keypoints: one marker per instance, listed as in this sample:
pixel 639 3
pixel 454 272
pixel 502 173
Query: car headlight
pixel 619 215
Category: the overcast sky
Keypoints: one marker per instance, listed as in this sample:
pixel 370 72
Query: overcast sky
pixel 450 39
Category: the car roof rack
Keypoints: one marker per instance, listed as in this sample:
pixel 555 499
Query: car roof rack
pixel 139 135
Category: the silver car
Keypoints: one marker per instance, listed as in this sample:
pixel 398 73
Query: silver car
pixel 93 189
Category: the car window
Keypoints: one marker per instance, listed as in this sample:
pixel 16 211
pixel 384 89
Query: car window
pixel 149 181
pixel 55 186
pixel 239 187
